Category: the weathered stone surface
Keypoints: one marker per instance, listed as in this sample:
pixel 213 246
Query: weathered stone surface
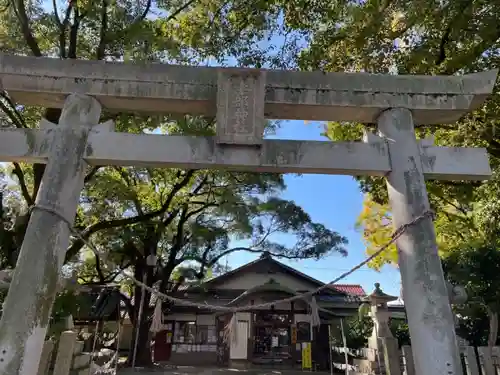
pixel 446 163
pixel 407 356
pixel 430 318
pixel 240 106
pixel 352 158
pixel 65 353
pixel 82 360
pixel 163 88
pixel 79 345
pixel 47 352
pixel 349 158
pixel 24 320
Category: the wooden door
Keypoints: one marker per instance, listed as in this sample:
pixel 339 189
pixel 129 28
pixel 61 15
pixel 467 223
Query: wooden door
pixel 163 344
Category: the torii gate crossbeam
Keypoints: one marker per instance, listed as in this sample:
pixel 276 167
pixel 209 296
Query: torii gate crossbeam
pixel 241 100
pixel 288 95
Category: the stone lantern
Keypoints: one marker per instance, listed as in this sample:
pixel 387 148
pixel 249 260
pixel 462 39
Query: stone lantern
pixel 380 315
pixel 382 354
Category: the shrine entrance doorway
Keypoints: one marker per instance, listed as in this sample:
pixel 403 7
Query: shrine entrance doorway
pixel 272 337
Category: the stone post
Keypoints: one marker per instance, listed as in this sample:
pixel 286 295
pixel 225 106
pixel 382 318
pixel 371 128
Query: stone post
pixel 391 356
pixel 381 337
pixel 430 318
pixel 380 316
pixel 32 291
pixel 48 348
pixel 408 360
pixel 65 353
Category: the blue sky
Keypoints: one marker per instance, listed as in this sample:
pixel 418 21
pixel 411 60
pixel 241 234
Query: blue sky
pixel 334 201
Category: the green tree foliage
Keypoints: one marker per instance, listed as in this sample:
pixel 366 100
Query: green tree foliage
pixel 478 270
pixel 466 261
pixel 187 219
pixel 417 37
pixel 473 324
pixel 454 228
pixel 357 331
pixel 400 331
pixel 375 225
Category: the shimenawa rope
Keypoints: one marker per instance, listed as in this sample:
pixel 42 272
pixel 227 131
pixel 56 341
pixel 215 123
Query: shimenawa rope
pixel 181 302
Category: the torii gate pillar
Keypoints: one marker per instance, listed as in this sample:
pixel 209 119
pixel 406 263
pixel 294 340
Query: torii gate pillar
pixel 430 318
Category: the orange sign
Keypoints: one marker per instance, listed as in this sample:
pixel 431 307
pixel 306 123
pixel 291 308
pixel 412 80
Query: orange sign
pixel 294 334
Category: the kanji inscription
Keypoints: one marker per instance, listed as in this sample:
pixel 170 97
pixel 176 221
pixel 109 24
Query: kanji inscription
pixel 240 107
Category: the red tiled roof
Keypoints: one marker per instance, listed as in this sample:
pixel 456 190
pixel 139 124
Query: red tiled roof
pixel 351 289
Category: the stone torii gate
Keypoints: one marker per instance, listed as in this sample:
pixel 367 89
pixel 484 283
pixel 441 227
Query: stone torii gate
pixel 241 100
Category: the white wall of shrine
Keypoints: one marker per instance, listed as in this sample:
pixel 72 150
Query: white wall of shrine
pixel 251 280
pixel 204 319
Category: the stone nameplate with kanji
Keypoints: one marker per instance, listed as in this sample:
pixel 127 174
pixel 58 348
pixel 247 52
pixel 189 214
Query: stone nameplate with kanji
pixel 240 106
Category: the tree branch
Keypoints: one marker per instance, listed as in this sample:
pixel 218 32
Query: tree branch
pixel 176 247
pixel 112 276
pixel 445 39
pixel 63 25
pixel 18 121
pixel 178 242
pixel 178 11
pixel 234 249
pixel 126 178
pixel 98 268
pixel 22 183
pixel 140 17
pixel 13 114
pixel 20 11
pixel 129 306
pixel 462 210
pixel 204 258
pixel 200 185
pixel 101 48
pixel 73 33
pixel 56 14
pixel 488 38
pixel 109 224
pixel 91 174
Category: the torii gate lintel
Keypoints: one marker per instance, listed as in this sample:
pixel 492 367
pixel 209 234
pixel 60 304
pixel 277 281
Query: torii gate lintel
pixel 368 158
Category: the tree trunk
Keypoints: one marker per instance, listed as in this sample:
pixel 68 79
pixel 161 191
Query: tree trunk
pixel 143 356
pixel 493 334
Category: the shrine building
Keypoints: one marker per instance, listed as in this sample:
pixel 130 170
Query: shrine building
pixel 274 335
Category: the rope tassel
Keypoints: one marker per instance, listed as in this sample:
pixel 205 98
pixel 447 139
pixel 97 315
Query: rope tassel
pixel 156 324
